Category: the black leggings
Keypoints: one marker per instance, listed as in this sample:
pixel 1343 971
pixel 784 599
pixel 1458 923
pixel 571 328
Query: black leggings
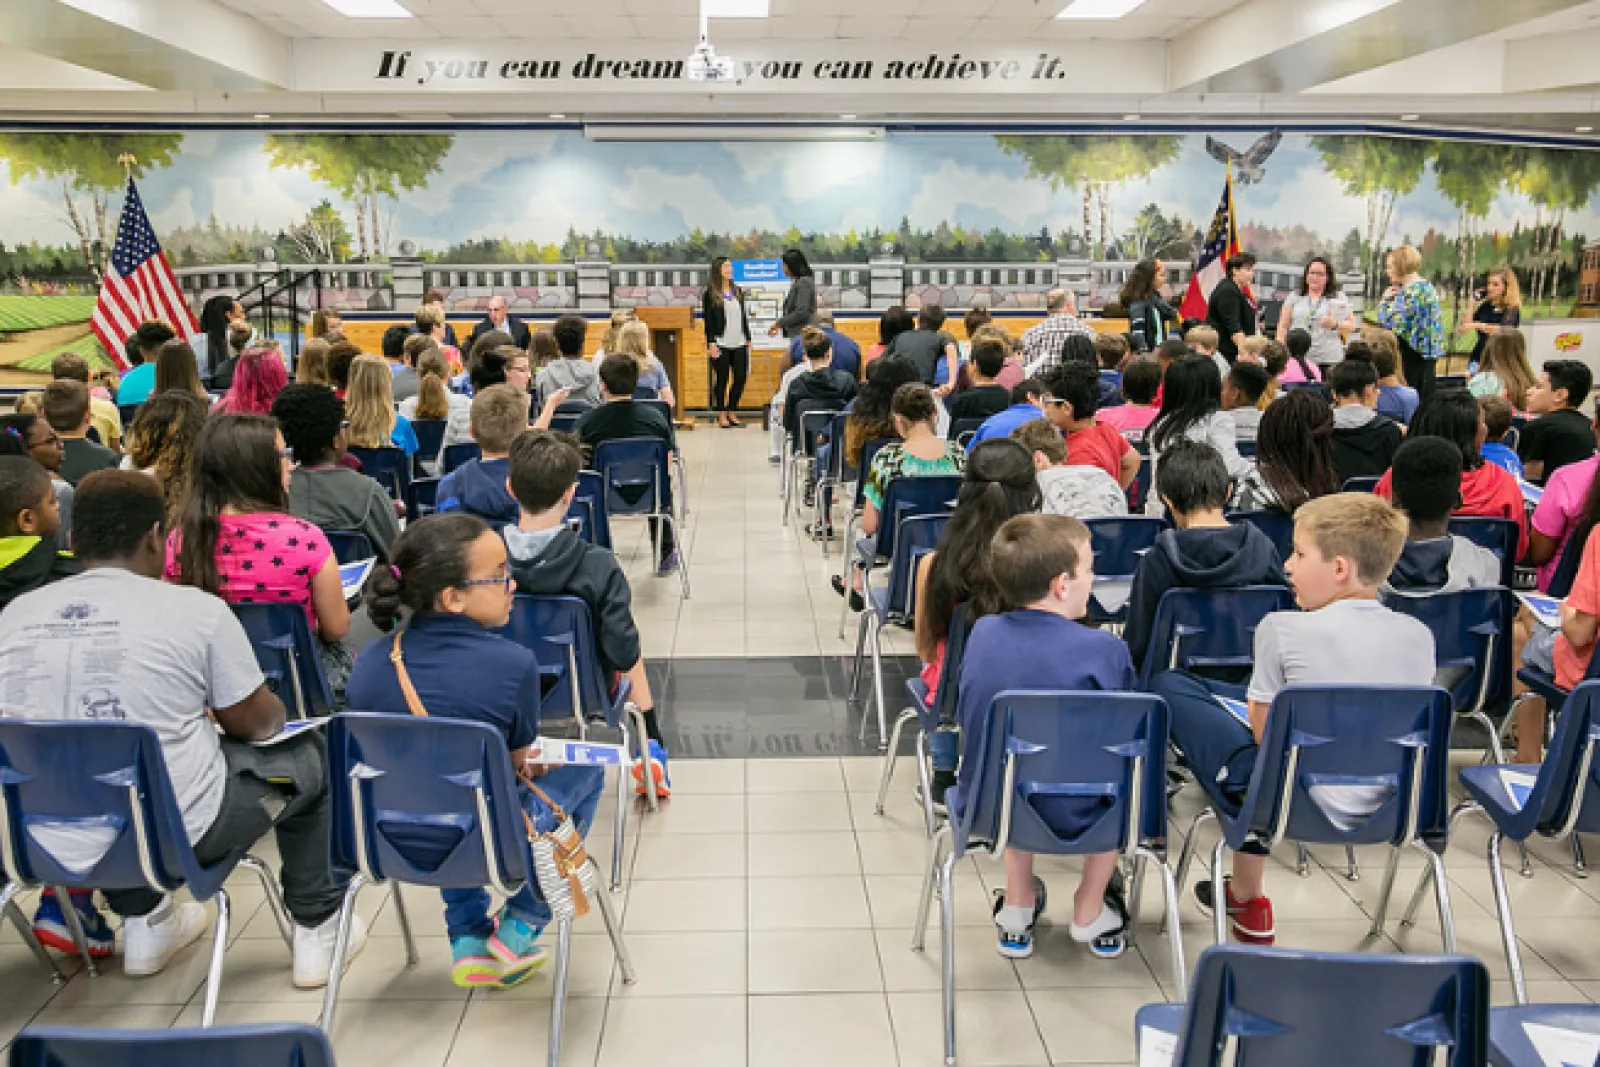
pixel 1418 371
pixel 736 360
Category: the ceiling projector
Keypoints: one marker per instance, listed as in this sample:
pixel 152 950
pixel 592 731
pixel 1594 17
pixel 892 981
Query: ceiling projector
pixel 704 65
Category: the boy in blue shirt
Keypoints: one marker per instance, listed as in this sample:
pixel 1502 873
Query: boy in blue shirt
pixel 1045 564
pixel 1497 423
pixel 478 486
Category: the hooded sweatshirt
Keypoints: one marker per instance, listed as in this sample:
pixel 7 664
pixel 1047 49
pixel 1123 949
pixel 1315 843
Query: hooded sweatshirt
pixel 1217 557
pixel 1363 442
pixel 479 487
pixel 1442 565
pixel 817 390
pixel 567 565
pixel 579 375
pixel 28 562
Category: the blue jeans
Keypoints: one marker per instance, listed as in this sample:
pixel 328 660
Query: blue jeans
pixel 576 789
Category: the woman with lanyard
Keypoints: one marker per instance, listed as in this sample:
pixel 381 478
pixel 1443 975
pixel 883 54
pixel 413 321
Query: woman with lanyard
pixel 1410 307
pixel 1149 315
pixel 1321 311
pixel 727 340
pixel 1501 306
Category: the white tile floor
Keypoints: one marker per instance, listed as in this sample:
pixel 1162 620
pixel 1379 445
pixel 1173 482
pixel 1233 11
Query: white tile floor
pixel 768 909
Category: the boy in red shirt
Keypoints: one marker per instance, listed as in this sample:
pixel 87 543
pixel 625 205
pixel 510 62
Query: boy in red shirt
pixel 1071 399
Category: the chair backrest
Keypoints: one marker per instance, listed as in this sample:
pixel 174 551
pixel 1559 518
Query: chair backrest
pixel 1276 523
pixel 959 427
pixel 287 654
pixel 1119 543
pixel 430 437
pixel 589 509
pixel 1209 629
pixel 90 805
pixel 1068 773
pixel 637 475
pixel 262 1045
pixel 869 449
pixel 1499 536
pixel 1247 449
pixel 644 392
pixel 1566 571
pixel 1334 1009
pixel 455 455
pixel 1566 795
pixel 424 801
pixel 1140 488
pixel 918 536
pixel 905 498
pixel 657 403
pixel 839 468
pixel 947 706
pixel 812 423
pixel 1313 387
pixel 567 413
pixel 349 545
pixel 1471 639
pixel 390 466
pixel 422 498
pixel 559 631
pixel 1361 483
pixel 1353 765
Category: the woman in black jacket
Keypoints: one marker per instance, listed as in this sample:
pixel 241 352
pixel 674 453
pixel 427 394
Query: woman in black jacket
pixel 727 340
pixel 1230 312
pixel 800 303
pixel 1148 313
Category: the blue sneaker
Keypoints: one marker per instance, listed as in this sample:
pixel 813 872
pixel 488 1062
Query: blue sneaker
pixel 473 965
pixel 50 926
pixel 516 945
pixel 658 771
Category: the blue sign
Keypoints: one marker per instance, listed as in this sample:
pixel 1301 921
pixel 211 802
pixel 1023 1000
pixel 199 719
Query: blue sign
pixel 758 271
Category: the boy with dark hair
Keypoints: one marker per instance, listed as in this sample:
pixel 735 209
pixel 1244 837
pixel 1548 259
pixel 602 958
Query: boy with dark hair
pixel 1027 404
pixel 487 369
pixel 1141 380
pixel 571 372
pixel 1242 390
pixel 1045 564
pixel 1496 424
pixel 548 559
pixel 1345 545
pixel 1426 488
pixel 322 491
pixel 141 349
pixel 1558 433
pixel 394 352
pixel 822 388
pixel 1071 400
pixel 986 396
pixel 1363 442
pixel 1110 349
pixel 478 486
pixel 1203 550
pixel 927 346
pixel 66 409
pixel 103 413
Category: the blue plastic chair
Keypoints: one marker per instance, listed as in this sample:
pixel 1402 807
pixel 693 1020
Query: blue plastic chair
pixel 390 466
pixel 895 603
pixel 566 416
pixel 109 778
pixel 1472 649
pixel 287 653
pixel 267 1045
pixel 422 498
pixel 1209 629
pixel 559 631
pixel 858 506
pixel 637 473
pixel 1361 483
pixel 1327 1009
pixel 1497 535
pixel 430 439
pixel 455 455
pixel 1143 484
pixel 926 708
pixel 961 430
pixel 1247 449
pixel 800 455
pixel 1509 1045
pixel 1562 801
pixel 588 510
pixel 836 473
pixel 1041 759
pixel 1394 739
pixel 349 545
pixel 1119 543
pixel 1277 524
pixel 433 802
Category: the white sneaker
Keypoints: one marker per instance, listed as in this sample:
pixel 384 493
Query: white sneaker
pixel 313 950
pixel 150 941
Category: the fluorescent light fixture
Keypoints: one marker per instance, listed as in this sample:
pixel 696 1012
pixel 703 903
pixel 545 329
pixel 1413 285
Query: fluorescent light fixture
pixel 1097 9
pixel 1583 129
pixel 1410 116
pixel 735 9
pixel 369 9
pixel 731 132
pixel 848 118
pixel 262 115
pixel 557 115
pixel 1132 116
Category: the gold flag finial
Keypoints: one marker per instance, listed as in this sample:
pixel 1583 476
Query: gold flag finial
pixel 128 161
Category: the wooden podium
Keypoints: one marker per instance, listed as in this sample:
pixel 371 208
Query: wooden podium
pixel 667 328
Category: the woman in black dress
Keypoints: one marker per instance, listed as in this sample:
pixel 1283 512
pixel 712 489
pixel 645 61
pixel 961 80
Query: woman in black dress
pixel 1501 306
pixel 1230 312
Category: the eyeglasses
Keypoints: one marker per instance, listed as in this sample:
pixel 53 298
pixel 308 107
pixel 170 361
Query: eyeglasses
pixel 1047 399
pixel 504 580
pixel 286 454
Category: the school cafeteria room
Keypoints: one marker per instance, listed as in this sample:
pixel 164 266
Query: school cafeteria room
pixel 776 533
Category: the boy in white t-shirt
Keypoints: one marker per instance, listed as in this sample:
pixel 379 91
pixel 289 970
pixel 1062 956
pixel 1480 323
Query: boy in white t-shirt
pixel 1345 545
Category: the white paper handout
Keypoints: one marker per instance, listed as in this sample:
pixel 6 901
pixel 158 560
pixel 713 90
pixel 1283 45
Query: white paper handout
pixel 1558 1046
pixel 1157 1048
pixel 1547 609
pixel 555 752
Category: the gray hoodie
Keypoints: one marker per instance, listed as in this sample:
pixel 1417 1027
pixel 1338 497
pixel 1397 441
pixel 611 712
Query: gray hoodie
pixel 579 375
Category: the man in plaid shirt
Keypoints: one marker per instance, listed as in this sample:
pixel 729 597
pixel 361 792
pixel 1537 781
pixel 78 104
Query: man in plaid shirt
pixel 1041 344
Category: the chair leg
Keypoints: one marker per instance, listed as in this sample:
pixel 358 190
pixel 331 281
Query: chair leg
pixel 643 734
pixel 847 568
pixel 1169 893
pixel 280 914
pixel 619 948
pixel 1381 915
pixel 1508 932
pixel 219 948
pixel 341 947
pixel 683 555
pixel 75 927
pixel 1526 870
pixel 930 885
pixel 877 683
pixel 1352 871
pixel 859 658
pixel 1219 901
pixel 1441 892
pixel 888 757
pixel 1302 860
pixel 412 959
pixel 1498 753
pixel 558 995
pixel 930 820
pixel 1135 895
pixel 947 938
pixel 8 904
pixel 1186 855
pixel 1579 867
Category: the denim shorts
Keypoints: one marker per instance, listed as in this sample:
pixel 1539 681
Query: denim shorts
pixel 1540 651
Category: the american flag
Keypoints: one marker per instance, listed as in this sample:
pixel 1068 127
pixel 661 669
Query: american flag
pixel 1210 267
pixel 139 285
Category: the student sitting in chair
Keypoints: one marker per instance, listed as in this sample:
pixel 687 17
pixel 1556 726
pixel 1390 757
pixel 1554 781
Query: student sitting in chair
pixel 451 578
pixel 986 396
pixel 1083 492
pixel 1242 389
pixel 1045 564
pixel 1363 441
pixel 1558 433
pixel 1344 547
pixel 1496 424
pixel 549 559
pixel 1427 490
pixel 1141 377
pixel 478 486
pixel 1071 400
pixel 321 490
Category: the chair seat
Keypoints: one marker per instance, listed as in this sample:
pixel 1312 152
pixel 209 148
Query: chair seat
pixel 1542 683
pixel 1484 785
pixel 867 550
pixel 1509 1044
pixel 922 703
pixel 1162 1018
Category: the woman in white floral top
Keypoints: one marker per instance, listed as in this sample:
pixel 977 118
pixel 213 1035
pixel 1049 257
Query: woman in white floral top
pixel 1410 308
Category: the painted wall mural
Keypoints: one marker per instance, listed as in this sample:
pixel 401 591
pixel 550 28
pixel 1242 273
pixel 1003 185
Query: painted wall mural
pixel 972 217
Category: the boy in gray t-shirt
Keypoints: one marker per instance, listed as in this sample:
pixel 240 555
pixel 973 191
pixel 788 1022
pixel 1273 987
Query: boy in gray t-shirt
pixel 1344 547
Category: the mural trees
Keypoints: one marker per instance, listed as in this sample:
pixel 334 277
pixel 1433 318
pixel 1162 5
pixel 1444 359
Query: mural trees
pixel 1556 183
pixel 1095 164
pixel 1470 176
pixel 361 168
pixel 85 165
pixel 1378 170
pixel 1155 235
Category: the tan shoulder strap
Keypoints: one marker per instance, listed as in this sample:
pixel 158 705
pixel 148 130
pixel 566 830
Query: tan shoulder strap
pixel 413 701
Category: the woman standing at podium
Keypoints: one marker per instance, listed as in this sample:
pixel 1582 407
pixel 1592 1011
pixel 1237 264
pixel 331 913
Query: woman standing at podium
pixel 727 340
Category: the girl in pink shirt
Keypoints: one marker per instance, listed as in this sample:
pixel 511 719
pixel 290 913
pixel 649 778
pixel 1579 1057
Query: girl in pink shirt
pixel 1141 378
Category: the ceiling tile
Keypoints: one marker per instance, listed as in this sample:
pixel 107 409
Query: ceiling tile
pixel 438 8
pixel 685 28
pixel 943 29
pixel 537 26
pixel 465 27
pixel 600 27
pixel 1007 29
pixel 805 27
pixel 740 29
pixel 954 9
pixel 334 25
pixel 653 8
pixel 872 28
pixel 1038 9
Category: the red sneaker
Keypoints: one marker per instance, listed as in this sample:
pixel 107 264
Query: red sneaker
pixel 1251 919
